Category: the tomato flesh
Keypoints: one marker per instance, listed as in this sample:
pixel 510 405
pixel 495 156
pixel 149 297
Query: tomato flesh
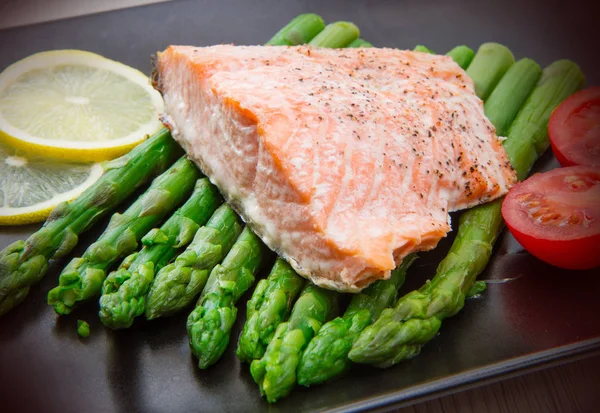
pixel 555 216
pixel 574 129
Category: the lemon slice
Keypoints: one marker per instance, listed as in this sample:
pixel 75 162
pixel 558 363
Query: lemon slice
pixel 31 186
pixel 76 106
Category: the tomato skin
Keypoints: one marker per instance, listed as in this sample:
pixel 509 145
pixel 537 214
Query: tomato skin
pixel 576 254
pixel 555 216
pixel 562 159
pixel 574 129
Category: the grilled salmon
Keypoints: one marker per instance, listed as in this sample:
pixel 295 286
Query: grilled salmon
pixel 342 161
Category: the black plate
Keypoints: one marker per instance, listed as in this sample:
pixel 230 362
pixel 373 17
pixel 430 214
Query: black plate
pixel 531 314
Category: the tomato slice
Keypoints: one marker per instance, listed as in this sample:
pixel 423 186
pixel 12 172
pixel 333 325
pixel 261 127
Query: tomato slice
pixel 555 216
pixel 574 129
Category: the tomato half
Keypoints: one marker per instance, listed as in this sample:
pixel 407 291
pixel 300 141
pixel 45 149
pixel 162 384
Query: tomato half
pixel 574 129
pixel 555 216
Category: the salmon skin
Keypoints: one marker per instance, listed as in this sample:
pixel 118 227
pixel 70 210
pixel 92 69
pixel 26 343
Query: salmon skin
pixel 343 161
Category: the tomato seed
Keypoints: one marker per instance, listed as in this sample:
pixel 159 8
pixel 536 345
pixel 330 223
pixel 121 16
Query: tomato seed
pixel 551 216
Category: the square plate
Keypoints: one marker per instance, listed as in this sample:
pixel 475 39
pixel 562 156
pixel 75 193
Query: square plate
pixel 530 315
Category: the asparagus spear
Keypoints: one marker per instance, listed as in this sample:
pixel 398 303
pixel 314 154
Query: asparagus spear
pixel 24 263
pixel 269 306
pixel 124 290
pixel 275 373
pixel 301 29
pixel 177 285
pixel 422 49
pixel 529 130
pixel 336 35
pixel 488 66
pixel 209 324
pixel 400 332
pixel 272 300
pixel 462 55
pixel 327 354
pixel 523 75
pixel 82 278
pixel 359 43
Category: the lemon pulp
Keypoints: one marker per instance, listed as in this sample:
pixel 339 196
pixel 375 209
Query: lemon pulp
pixel 31 186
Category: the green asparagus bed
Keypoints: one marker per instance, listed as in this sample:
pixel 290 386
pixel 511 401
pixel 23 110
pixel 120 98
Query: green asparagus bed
pixel 399 333
pixel 124 290
pixel 24 263
pixel 82 278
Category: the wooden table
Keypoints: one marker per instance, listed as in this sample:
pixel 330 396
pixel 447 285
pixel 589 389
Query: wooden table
pixel 570 387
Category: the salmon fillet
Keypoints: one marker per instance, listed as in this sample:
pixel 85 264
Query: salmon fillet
pixel 342 161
